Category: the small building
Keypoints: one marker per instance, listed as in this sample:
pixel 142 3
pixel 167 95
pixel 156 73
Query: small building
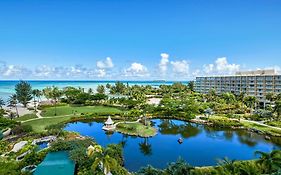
pixel 56 163
pixel 109 124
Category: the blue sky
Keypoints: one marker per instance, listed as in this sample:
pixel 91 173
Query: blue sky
pixel 73 39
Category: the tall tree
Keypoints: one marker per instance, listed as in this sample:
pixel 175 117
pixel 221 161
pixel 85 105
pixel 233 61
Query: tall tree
pixel 277 108
pixel 2 103
pixel 250 102
pixel 191 86
pixel 36 93
pixel 102 159
pixel 47 92
pixel 56 93
pixel 229 99
pixel 101 89
pixel 24 92
pixel 13 102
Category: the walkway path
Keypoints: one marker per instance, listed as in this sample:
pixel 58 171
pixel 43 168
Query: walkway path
pixel 197 118
pixel 260 123
pixel 44 118
pixel 38 114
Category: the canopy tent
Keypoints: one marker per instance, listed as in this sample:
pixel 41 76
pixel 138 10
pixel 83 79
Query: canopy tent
pixel 56 163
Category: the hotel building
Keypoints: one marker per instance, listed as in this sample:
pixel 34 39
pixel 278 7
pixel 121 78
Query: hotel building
pixel 253 83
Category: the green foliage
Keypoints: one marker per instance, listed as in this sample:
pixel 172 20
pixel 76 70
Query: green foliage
pixel 9 168
pixel 118 88
pixel 6 123
pixel 224 122
pixel 101 89
pixel 20 129
pixel 271 162
pixel 24 92
pixel 191 86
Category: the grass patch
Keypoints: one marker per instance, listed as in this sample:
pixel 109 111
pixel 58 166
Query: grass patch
pixel 39 125
pixel 26 117
pixel 136 129
pixel 68 110
pixel 274 123
pixel 271 131
pixel 221 121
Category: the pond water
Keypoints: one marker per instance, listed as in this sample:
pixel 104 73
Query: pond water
pixel 202 145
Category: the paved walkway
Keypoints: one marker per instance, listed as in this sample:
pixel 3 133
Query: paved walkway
pixel 38 113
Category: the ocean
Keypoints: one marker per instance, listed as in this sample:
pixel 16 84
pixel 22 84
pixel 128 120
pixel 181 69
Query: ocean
pixel 7 87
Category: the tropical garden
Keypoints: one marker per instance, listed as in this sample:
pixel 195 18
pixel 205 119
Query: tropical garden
pixel 52 108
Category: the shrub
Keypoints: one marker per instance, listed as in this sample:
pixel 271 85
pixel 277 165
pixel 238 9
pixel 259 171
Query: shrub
pixel 22 129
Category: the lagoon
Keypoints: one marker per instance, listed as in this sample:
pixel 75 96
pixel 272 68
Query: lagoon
pixel 202 145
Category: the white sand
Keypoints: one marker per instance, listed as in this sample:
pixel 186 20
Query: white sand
pixel 154 101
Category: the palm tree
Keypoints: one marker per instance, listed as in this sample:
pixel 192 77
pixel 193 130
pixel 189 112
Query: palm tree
pixel 2 103
pixel 250 102
pixel 227 164
pixel 102 159
pixel 250 168
pixel 34 94
pixel 56 94
pixel 13 102
pixel 47 92
pixel 90 91
pixel 271 161
pixel 277 108
pixel 149 170
pixel 229 98
pixel 179 167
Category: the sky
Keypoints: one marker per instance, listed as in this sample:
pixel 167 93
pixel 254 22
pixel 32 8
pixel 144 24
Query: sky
pixel 137 39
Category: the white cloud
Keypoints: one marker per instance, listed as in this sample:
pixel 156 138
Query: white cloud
pixel 105 64
pixel 221 66
pixel 12 71
pixel 163 65
pixel 136 70
pixel 101 73
pixel 180 67
pixel 208 68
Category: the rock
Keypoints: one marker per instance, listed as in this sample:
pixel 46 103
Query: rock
pixel 19 146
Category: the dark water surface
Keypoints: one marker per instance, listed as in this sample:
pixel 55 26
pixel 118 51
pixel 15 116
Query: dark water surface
pixel 202 145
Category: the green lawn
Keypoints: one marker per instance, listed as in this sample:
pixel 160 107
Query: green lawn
pixel 39 125
pixel 266 129
pixel 136 129
pixel 67 110
pixel 274 123
pixel 26 117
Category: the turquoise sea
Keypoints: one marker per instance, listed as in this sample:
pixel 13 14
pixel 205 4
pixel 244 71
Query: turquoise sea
pixel 7 87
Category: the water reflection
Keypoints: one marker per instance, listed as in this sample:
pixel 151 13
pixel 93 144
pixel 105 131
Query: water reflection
pixel 185 129
pixel 145 147
pixel 202 145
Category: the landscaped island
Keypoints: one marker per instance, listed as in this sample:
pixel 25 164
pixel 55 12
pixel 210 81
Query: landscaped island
pixel 136 129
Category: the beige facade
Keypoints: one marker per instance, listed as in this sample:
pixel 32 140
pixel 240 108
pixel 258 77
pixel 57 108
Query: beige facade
pixel 253 83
